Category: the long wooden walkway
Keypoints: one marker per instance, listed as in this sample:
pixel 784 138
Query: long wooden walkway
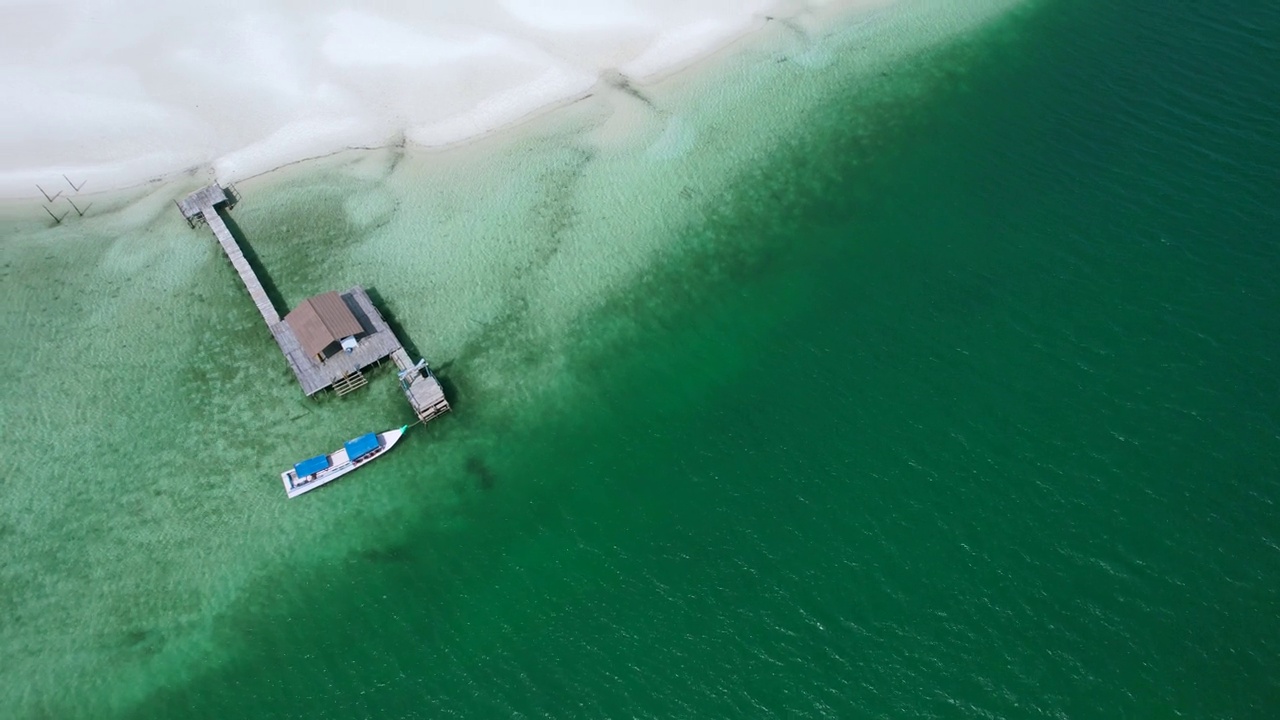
pixel 238 261
pixel 341 371
pixel 203 204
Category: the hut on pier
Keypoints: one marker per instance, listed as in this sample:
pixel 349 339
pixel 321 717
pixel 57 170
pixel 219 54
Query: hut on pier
pixel 324 325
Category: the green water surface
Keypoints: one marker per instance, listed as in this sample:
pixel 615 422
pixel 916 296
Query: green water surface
pixel 956 396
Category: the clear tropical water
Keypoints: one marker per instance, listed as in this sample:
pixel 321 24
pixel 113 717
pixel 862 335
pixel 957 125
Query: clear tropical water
pixel 859 380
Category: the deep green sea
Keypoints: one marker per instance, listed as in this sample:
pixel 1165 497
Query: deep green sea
pixel 955 393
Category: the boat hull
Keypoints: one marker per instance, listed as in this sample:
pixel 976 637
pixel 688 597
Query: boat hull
pixel 339 465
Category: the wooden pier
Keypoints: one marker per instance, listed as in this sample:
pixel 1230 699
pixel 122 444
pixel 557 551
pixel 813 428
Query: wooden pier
pixel 369 339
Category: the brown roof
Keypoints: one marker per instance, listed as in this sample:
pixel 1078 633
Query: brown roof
pixel 321 321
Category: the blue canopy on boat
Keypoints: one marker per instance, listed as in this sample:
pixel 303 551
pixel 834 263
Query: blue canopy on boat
pixel 311 466
pixel 361 446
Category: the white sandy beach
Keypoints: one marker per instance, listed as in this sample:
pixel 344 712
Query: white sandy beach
pixel 115 95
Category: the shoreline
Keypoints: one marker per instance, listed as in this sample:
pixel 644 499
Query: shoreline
pixel 263 155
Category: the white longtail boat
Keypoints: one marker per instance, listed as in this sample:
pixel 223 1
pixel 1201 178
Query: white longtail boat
pixel 358 452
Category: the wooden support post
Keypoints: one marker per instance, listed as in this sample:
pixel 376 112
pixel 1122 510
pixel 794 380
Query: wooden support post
pixel 77 207
pixel 56 220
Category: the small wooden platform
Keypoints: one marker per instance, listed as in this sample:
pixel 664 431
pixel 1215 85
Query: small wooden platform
pixel 194 207
pixel 421 388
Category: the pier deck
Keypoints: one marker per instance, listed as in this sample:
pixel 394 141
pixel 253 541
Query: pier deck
pixel 342 370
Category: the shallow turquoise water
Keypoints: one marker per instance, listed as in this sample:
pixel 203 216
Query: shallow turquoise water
pixel 958 399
